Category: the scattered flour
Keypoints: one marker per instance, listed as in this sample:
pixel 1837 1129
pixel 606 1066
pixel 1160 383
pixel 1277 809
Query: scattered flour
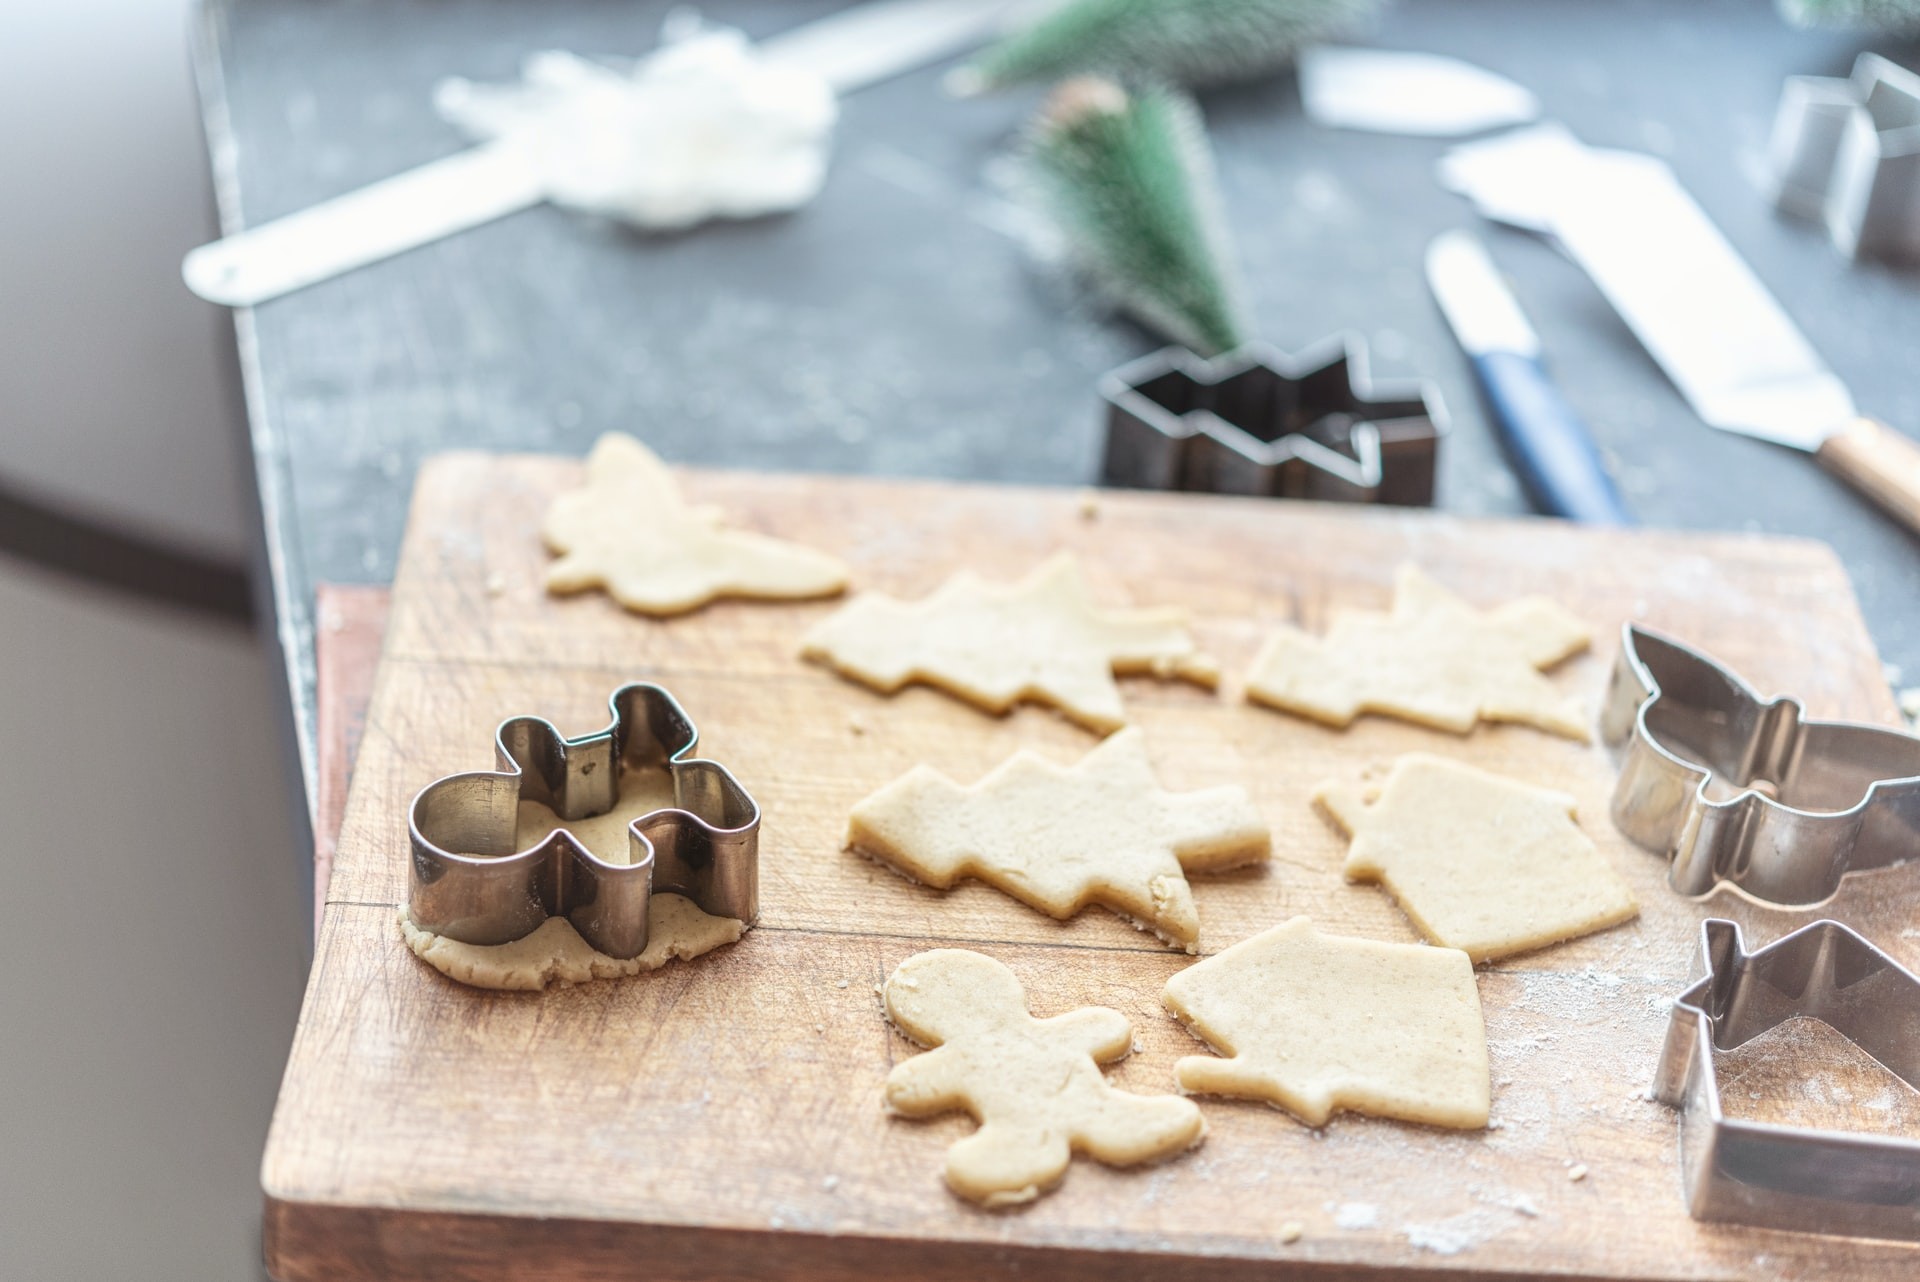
pixel 1355 1215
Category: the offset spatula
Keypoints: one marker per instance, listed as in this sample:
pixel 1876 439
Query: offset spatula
pixel 1738 358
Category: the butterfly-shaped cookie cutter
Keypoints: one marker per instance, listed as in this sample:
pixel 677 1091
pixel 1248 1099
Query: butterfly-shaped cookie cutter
pixel 471 882
pixel 1791 1177
pixel 1745 792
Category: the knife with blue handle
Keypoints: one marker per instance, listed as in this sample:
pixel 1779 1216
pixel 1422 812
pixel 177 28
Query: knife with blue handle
pixel 1557 461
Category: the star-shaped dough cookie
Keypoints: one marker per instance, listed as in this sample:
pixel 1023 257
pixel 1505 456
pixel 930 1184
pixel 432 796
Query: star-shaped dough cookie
pixel 630 532
pixel 1033 1084
pixel 1101 831
pixel 1479 863
pixel 1316 1023
pixel 1041 639
pixel 1434 660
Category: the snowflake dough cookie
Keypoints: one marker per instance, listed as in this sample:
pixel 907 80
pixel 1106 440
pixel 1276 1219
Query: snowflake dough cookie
pixel 1479 863
pixel 1101 831
pixel 1434 660
pixel 630 532
pixel 555 953
pixel 1316 1023
pixel 1033 1084
pixel 994 645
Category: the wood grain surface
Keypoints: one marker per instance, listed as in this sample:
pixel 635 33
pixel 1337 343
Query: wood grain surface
pixel 722 1119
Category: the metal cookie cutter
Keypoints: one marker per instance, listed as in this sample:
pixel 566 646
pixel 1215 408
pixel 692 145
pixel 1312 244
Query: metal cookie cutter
pixel 1257 421
pixel 1742 791
pixel 1847 152
pixel 1784 1176
pixel 470 883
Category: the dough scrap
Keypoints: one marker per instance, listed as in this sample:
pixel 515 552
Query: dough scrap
pixel 1041 640
pixel 1058 838
pixel 556 954
pixel 1434 660
pixel 1033 1084
pixel 1478 862
pixel 630 532
pixel 1316 1023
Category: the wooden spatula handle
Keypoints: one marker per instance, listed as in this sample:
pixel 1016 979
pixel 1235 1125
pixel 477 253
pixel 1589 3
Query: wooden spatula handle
pixel 1881 463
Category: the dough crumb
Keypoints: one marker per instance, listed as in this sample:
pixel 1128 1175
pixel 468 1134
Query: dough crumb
pixel 856 724
pixel 1292 1231
pixel 496 584
pixel 1577 1172
pixel 831 1183
pixel 1089 505
pixel 841 984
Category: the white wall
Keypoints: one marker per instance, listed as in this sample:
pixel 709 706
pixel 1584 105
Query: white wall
pixel 152 940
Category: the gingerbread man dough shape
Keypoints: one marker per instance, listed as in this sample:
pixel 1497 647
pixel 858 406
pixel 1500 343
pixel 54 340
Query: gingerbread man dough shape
pixel 1034 1084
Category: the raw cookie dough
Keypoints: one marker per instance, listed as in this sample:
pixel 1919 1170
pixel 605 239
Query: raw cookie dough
pixel 1316 1023
pixel 994 645
pixel 1033 1084
pixel 1434 660
pixel 1479 863
pixel 555 953
pixel 1101 831
pixel 630 532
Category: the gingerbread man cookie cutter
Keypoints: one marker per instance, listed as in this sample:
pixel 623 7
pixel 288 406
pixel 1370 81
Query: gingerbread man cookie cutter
pixel 1792 1177
pixel 1742 791
pixel 471 882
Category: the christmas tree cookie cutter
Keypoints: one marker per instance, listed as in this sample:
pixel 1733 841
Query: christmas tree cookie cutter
pixel 471 882
pixel 1259 421
pixel 1746 792
pixel 1790 1177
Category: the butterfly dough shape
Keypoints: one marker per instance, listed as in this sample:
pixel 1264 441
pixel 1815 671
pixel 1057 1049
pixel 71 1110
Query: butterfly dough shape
pixel 1034 1085
pixel 1481 863
pixel 1433 659
pixel 1058 838
pixel 994 645
pixel 1316 1023
pixel 630 532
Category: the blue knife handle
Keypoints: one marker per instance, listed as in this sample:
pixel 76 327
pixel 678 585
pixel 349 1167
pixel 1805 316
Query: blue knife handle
pixel 1549 445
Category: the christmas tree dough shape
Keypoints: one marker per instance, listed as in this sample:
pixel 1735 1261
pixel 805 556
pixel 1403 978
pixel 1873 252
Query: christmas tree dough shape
pixel 994 645
pixel 1034 1085
pixel 1434 660
pixel 556 954
pixel 1058 838
pixel 1480 863
pixel 630 532
pixel 1315 1023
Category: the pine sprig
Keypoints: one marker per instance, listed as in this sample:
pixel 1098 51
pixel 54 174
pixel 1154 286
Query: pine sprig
pixel 1872 15
pixel 1129 181
pixel 1182 42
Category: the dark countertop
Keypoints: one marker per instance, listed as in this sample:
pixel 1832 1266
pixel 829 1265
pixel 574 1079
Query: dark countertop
pixel 897 326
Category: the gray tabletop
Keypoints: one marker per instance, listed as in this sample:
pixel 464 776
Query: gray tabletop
pixel 897 325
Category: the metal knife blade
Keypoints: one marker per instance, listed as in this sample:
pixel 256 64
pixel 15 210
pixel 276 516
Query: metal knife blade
pixel 1546 440
pixel 856 47
pixel 1718 333
pixel 1483 312
pixel 1738 358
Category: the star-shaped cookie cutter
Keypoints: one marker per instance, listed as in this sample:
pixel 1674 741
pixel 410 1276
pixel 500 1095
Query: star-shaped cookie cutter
pixel 1258 421
pixel 1745 792
pixel 470 882
pixel 1847 152
pixel 1762 1173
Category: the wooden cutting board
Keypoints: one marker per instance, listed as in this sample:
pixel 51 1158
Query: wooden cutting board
pixel 721 1119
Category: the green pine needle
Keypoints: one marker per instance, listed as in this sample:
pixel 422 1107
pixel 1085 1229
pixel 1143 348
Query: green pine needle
pixel 1877 15
pixel 1129 181
pixel 1183 42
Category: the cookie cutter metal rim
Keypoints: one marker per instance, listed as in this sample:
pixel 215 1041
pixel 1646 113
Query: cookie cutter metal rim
pixel 1150 446
pixel 705 846
pixel 1839 160
pixel 1767 1173
pixel 1867 778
